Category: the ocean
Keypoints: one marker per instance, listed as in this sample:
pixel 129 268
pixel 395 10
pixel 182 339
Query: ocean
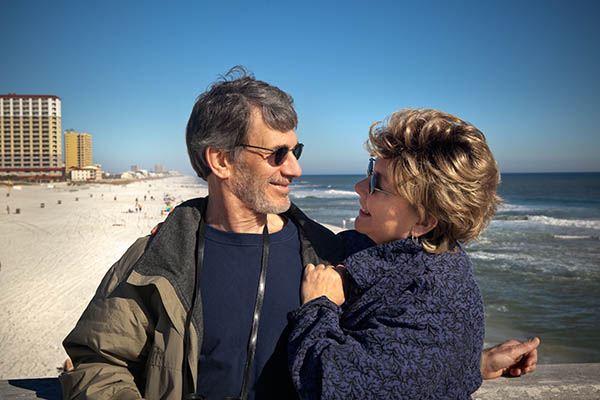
pixel 537 264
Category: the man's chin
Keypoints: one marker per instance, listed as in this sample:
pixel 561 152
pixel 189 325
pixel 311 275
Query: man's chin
pixel 272 207
pixel 282 207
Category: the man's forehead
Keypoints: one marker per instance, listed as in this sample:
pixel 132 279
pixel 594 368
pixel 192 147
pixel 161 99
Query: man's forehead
pixel 259 131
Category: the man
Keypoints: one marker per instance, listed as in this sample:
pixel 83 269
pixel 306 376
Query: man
pixel 137 337
pixel 201 306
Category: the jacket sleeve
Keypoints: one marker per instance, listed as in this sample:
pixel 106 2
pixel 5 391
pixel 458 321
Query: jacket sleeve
pixel 109 342
pixel 388 357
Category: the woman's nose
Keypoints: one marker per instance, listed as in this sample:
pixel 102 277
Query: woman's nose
pixel 362 187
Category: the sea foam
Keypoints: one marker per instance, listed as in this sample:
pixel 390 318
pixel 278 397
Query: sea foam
pixel 577 223
pixel 319 193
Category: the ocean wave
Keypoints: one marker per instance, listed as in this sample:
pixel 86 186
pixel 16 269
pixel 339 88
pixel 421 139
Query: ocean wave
pixel 505 207
pixel 577 223
pixel 511 217
pixel 480 255
pixel 515 256
pixel 497 307
pixel 330 194
pixel 575 237
pixel 544 219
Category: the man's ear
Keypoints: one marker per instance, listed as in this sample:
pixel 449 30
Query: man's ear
pixel 219 162
pixel 424 226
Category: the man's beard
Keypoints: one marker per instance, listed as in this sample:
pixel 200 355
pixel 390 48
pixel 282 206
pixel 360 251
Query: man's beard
pixel 252 190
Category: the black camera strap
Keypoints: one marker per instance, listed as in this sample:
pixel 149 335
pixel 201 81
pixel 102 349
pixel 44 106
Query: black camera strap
pixel 260 294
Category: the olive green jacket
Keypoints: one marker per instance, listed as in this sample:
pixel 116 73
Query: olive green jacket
pixel 128 343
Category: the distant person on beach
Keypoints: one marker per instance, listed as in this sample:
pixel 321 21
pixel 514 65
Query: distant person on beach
pixel 200 308
pixel 403 316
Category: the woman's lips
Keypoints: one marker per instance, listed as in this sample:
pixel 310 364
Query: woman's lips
pixel 362 212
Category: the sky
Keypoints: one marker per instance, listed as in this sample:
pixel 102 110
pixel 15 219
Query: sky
pixel 524 72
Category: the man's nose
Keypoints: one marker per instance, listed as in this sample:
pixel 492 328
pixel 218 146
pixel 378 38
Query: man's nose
pixel 291 166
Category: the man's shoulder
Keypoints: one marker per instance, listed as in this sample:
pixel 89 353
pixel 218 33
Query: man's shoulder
pixel 311 228
pixel 122 268
pixel 197 203
pixel 319 244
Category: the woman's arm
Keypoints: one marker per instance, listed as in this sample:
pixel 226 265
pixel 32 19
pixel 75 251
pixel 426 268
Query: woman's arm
pixel 389 356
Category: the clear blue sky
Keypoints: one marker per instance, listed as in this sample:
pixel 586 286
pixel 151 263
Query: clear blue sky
pixel 524 72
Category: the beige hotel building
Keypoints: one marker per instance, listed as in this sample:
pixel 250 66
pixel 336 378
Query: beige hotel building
pixel 78 150
pixel 30 137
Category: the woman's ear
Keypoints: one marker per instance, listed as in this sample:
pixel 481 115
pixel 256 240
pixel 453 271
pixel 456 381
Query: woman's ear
pixel 218 162
pixel 424 226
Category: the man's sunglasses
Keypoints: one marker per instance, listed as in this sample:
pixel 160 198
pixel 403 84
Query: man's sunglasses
pixel 280 152
pixel 373 181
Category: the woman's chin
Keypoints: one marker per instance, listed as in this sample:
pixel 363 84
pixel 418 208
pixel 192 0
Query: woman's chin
pixel 359 226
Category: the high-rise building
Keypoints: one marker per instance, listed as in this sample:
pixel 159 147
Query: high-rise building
pixel 159 168
pixel 30 137
pixel 78 150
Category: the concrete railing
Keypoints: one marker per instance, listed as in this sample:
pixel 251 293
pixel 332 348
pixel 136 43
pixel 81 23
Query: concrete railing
pixel 33 388
pixel 550 381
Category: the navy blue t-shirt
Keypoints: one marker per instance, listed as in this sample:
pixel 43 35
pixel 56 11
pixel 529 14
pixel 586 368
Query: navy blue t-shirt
pixel 229 282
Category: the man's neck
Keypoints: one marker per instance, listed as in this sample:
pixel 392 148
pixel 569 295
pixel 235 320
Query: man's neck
pixel 227 213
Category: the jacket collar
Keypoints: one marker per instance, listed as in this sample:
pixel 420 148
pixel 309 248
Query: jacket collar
pixel 401 257
pixel 318 244
pixel 171 253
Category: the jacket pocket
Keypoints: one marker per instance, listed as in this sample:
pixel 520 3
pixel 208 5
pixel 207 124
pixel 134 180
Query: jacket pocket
pixel 163 381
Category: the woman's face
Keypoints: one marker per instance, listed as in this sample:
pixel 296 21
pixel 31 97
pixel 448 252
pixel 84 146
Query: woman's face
pixel 384 216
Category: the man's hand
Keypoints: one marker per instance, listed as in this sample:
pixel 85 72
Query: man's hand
pixel 510 358
pixel 323 280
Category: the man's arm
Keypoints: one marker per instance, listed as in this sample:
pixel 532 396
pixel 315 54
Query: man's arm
pixel 108 342
pixel 510 358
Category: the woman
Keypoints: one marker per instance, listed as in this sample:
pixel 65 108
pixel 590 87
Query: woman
pixel 410 323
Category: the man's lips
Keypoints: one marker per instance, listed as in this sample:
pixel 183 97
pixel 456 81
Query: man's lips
pixel 282 186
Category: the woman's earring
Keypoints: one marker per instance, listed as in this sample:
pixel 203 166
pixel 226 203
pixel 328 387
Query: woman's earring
pixel 414 238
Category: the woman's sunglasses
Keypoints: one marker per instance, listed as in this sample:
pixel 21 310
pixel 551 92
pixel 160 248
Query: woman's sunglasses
pixel 373 181
pixel 280 152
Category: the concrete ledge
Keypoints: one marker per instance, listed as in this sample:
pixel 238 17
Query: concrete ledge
pixel 34 388
pixel 549 381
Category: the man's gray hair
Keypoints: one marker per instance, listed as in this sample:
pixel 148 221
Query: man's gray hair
pixel 221 116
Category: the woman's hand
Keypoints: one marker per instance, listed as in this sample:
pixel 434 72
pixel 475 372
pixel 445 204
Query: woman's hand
pixel 510 358
pixel 323 280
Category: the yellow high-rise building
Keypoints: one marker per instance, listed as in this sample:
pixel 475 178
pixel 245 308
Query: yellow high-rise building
pixel 30 137
pixel 78 150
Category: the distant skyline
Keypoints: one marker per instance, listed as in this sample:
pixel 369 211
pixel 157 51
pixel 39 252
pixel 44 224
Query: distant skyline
pixel 128 73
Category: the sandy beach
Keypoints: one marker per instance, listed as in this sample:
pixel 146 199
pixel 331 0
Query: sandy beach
pixel 53 258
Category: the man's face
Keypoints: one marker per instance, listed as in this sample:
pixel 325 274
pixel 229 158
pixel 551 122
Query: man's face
pixel 256 179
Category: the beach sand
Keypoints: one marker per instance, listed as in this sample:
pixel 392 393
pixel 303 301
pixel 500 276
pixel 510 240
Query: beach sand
pixel 53 258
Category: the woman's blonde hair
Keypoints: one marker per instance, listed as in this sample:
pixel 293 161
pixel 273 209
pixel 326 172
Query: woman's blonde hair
pixel 443 166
